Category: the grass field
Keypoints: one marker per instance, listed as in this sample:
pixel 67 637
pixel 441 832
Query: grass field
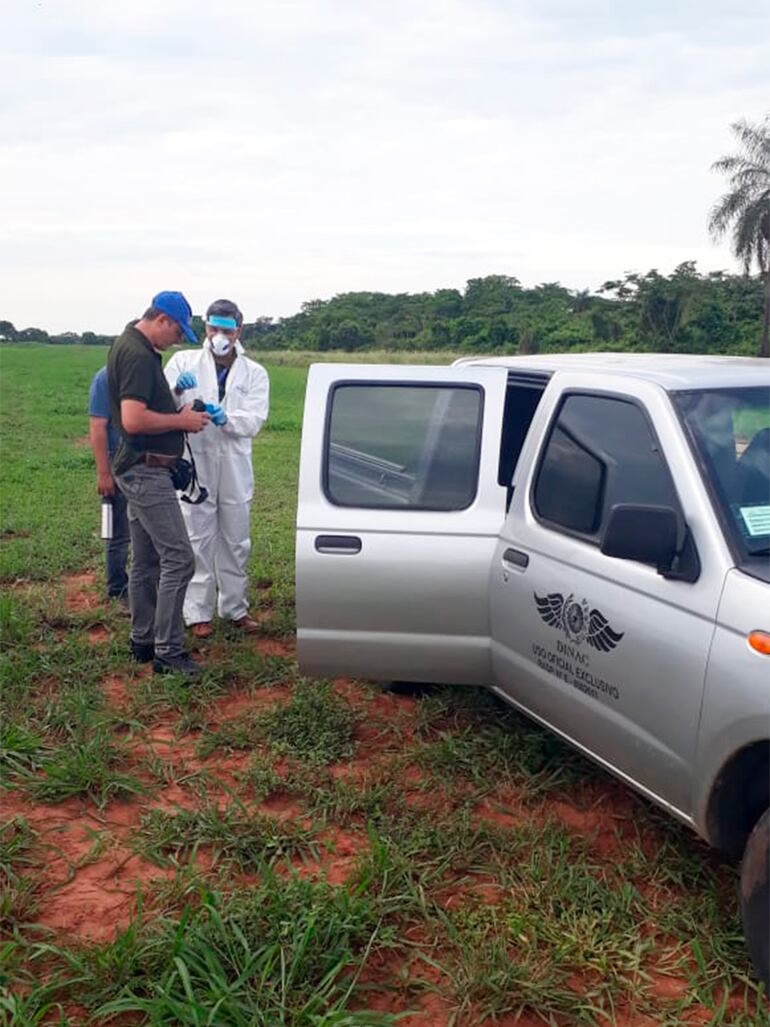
pixel 266 851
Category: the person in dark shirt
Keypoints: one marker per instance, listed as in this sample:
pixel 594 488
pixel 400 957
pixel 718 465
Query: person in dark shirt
pixel 152 441
pixel 105 438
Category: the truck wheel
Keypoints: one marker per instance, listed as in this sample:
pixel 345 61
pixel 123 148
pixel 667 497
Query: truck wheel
pixel 755 897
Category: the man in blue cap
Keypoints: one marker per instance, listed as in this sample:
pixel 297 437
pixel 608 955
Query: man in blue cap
pixel 152 441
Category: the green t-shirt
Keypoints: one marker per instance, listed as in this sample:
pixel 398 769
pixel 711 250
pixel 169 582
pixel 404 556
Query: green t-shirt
pixel 135 371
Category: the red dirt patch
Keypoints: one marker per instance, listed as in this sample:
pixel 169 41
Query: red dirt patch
pixel 80 593
pixel 522 1020
pixel 100 898
pixel 668 987
pixel 388 721
pixel 389 705
pixel 163 741
pixel 405 983
pixel 339 852
pixel 597 824
pixel 231 707
pixel 283 647
pixel 114 688
pixel 625 1018
pixel 87 878
pixel 354 770
pixel 492 812
pixel 348 689
pixel 422 793
pixel 98 634
pixel 282 807
pixel 226 769
pixel 481 889
pixel 425 1010
pixel 176 797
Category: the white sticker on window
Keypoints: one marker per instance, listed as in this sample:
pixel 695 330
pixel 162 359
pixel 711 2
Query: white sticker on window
pixel 756 519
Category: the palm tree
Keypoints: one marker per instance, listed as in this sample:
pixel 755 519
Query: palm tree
pixel 746 206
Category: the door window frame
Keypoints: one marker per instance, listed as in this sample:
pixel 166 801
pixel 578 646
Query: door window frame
pixel 411 384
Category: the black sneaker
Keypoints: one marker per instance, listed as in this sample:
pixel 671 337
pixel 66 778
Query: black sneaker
pixel 143 652
pixel 181 664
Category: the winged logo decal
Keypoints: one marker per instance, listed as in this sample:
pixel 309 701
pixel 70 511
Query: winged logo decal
pixel 578 621
pixel 600 634
pixel 551 608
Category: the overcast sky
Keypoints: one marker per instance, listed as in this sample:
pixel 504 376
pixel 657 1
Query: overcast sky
pixel 276 151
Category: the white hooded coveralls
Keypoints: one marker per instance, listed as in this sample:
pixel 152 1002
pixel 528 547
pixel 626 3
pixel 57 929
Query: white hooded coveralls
pixel 218 528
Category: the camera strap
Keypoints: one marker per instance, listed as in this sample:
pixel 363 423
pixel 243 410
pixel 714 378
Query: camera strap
pixel 203 492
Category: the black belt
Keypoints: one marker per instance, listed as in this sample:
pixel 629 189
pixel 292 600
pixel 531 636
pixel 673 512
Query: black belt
pixel 158 460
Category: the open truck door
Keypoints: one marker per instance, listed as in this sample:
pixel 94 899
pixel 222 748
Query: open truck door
pixel 399 512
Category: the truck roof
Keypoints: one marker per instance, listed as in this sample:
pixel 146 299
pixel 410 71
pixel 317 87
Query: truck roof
pixel 672 371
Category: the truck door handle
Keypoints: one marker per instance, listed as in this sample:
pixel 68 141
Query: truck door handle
pixel 350 544
pixel 516 558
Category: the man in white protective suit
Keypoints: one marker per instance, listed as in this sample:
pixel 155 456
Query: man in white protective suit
pixel 235 391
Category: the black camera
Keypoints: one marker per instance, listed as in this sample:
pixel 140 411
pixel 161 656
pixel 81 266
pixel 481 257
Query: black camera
pixel 184 474
pixel 181 474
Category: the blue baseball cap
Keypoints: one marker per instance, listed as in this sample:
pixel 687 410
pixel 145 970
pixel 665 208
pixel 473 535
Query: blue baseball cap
pixel 175 306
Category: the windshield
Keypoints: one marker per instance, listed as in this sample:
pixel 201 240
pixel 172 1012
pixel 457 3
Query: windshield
pixel 730 429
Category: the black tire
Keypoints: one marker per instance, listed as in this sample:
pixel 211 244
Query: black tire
pixel 755 897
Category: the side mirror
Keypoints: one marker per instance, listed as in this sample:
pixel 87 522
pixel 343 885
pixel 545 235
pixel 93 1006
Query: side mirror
pixel 648 534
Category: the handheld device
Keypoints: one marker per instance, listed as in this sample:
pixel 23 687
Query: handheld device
pixel 106 517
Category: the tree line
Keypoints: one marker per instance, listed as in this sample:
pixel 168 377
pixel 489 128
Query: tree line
pixel 684 312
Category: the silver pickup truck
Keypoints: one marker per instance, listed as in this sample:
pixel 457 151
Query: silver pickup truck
pixel 587 536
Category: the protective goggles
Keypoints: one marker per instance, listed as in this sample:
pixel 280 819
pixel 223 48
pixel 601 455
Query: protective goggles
pixel 222 322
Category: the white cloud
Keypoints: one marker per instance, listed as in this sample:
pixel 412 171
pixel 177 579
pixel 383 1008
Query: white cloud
pixel 278 151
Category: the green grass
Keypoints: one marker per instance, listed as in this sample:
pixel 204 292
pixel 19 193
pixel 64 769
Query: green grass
pixel 285 953
pixel 315 725
pixel 20 750
pixel 304 358
pixel 90 767
pixel 18 902
pixel 234 833
pixel 563 932
pixel 49 517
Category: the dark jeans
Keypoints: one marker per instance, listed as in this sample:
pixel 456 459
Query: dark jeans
pixel 117 548
pixel 162 560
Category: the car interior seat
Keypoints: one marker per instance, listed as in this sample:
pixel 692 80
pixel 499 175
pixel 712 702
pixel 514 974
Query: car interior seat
pixel 754 469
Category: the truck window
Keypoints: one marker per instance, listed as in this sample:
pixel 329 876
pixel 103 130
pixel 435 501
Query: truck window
pixel 600 451
pixel 521 401
pixel 412 447
pixel 729 430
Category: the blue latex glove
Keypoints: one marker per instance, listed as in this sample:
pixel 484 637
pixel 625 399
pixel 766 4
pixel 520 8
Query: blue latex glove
pixel 186 380
pixel 217 414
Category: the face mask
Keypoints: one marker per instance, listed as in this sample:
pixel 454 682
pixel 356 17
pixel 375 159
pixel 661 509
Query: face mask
pixel 220 344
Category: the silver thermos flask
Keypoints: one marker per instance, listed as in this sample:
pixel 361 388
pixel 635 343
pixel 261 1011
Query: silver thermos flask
pixel 106 517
